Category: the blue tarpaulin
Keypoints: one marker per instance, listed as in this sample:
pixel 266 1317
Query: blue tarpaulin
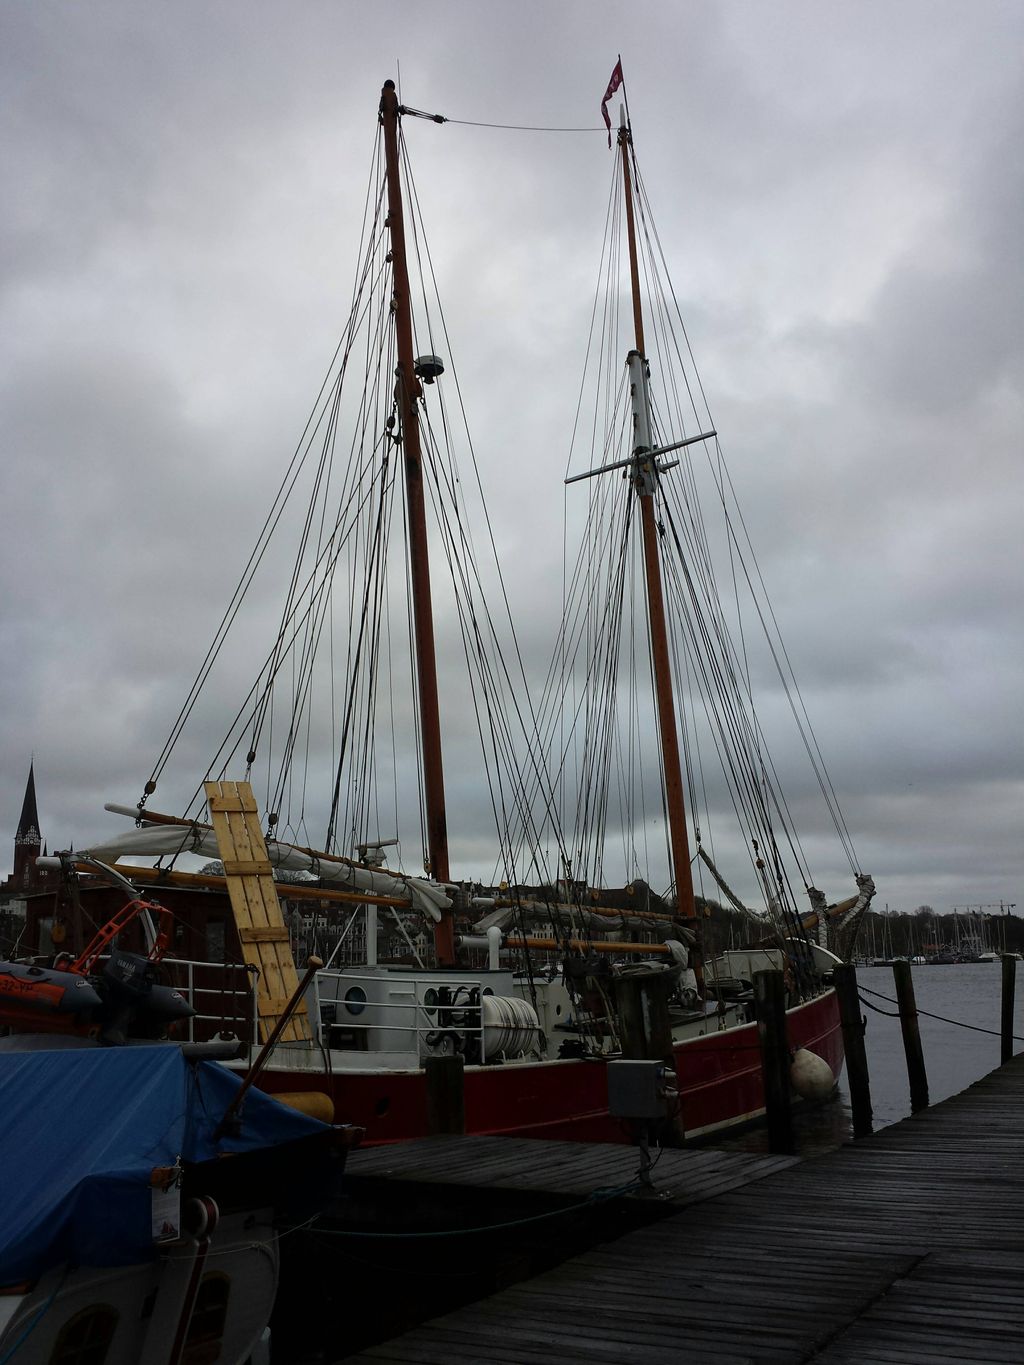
pixel 80 1132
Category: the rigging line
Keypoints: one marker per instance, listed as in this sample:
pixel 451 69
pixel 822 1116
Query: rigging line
pixel 752 729
pixel 727 750
pixel 328 615
pixel 680 669
pixel 255 558
pixel 706 656
pixel 486 516
pixel 559 664
pixel 474 639
pixel 629 614
pixel 536 755
pixel 364 567
pixel 824 777
pixel 597 633
pixel 366 766
pixel 241 716
pixel 751 726
pixel 372 572
pixel 413 682
pixel 378 331
pixel 323 472
pixel 230 617
pixel 496 798
pixel 593 816
pixel 820 768
pixel 367 570
pixel 319 604
pixel 364 623
pixel 515 127
pixel 474 646
pixel 757 747
pixel 311 629
pixel 791 687
pixel 291 593
pixel 362 683
pixel 600 293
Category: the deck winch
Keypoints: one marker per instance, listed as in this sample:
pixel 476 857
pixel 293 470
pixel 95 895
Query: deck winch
pixel 482 1027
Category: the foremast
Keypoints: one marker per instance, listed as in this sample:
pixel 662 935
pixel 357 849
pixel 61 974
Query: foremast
pixel 645 473
pixel 407 393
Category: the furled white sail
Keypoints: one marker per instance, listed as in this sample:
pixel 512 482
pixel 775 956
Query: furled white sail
pixel 161 841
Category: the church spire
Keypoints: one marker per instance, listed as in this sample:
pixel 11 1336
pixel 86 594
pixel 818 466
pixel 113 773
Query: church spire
pixel 28 825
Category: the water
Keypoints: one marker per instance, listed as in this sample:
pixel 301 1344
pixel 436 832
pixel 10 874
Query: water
pixel 954 1056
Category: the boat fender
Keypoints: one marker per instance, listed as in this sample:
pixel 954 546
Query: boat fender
pixel 313 1103
pixel 811 1076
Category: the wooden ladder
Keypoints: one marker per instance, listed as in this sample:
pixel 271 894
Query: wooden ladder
pixel 256 907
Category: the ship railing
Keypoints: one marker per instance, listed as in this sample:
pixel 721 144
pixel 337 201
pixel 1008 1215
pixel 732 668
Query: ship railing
pixel 412 1016
pixel 223 995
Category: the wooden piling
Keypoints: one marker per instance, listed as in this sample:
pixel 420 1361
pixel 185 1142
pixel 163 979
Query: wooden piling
pixel 903 976
pixel 646 1026
pixel 1006 1023
pixel 446 1108
pixel 844 978
pixel 770 1007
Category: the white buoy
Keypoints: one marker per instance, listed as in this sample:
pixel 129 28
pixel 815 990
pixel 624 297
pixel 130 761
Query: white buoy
pixel 811 1076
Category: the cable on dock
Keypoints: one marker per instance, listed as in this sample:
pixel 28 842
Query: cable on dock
pixel 598 1196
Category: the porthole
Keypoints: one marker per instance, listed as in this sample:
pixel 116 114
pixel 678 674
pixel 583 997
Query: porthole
pixel 430 1001
pixel 85 1338
pixel 355 1000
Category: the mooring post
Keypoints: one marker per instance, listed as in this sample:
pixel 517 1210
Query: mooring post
pixel 647 1034
pixel 770 1008
pixel 1006 1025
pixel 902 975
pixel 844 978
pixel 446 1109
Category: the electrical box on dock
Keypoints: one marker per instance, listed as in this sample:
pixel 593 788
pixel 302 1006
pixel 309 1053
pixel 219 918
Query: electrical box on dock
pixel 639 1090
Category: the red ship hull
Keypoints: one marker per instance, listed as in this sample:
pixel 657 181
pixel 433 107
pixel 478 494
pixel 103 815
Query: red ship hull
pixel 719 1078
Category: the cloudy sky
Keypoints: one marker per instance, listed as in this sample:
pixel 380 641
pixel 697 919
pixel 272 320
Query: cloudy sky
pixel 839 191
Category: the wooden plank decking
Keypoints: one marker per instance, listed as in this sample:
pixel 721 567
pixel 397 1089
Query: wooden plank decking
pixel 903 1249
pixel 562 1169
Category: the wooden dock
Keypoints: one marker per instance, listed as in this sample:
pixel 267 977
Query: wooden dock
pixel 563 1171
pixel 905 1248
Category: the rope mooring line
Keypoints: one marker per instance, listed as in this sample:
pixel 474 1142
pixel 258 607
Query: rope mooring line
pixel 942 1018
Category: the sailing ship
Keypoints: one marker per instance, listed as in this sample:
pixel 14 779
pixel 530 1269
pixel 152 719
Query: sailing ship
pixel 536 976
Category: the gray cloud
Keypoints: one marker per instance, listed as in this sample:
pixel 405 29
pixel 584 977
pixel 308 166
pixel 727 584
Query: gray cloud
pixel 839 194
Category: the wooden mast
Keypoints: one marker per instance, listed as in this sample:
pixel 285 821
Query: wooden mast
pixel 645 479
pixel 407 392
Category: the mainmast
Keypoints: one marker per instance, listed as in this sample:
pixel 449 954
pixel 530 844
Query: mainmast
pixel 407 394
pixel 645 481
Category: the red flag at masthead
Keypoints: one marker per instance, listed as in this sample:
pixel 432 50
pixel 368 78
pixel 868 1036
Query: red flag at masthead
pixel 613 85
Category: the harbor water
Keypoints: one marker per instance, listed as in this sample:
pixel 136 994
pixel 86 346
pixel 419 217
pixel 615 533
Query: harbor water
pixel 955 1056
